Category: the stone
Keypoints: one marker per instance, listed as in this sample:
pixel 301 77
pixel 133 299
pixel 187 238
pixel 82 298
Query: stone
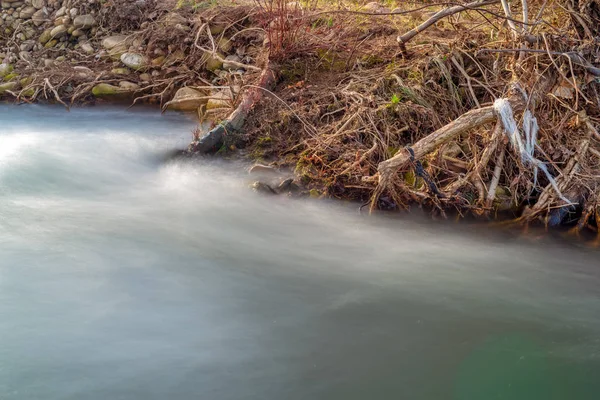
pixel 374 7
pixel 261 169
pixel 45 36
pixel 25 56
pixel 38 4
pixel 76 32
pixel 263 188
pixel 39 17
pixel 231 67
pixel 61 12
pixel 172 19
pixel 134 61
pixel 129 86
pixel 224 45
pixel 48 63
pixel 86 47
pixel 58 32
pixel 111 42
pixel 106 90
pixel 73 12
pixel 187 99
pixel 27 46
pixel 145 77
pixel 27 12
pixel 213 63
pixel 158 61
pixel 120 71
pixel 4 87
pixel 86 21
pixel 219 100
pixel 51 43
pixel 5 69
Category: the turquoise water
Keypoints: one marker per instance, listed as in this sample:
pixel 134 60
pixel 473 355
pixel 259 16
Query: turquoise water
pixel 127 276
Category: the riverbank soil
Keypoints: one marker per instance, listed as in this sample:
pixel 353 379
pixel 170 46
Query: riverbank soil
pixel 484 108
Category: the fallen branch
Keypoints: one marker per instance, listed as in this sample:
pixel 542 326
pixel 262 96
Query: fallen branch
pixel 210 141
pixel 405 38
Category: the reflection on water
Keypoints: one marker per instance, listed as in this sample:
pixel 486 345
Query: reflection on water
pixel 124 277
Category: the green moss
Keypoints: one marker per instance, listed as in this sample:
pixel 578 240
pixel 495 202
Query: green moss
pixel 10 77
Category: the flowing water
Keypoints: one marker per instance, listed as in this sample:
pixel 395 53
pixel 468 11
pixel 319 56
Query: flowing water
pixel 127 276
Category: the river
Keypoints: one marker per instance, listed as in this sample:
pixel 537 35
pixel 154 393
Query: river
pixel 124 275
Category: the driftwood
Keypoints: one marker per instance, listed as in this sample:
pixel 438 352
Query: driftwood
pixel 211 140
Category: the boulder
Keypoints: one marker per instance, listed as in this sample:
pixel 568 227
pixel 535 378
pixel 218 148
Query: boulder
pixel 86 21
pixel 134 61
pixel 187 99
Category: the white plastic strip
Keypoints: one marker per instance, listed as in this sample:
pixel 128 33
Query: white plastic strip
pixel 525 147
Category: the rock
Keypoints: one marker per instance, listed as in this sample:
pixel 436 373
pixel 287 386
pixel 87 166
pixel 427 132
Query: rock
pixel 120 71
pixel 45 36
pixel 61 12
pixel 229 66
pixel 48 63
pixel 134 61
pixel 129 86
pixel 27 46
pixel 260 169
pixel 51 43
pixel 263 188
pixel 224 45
pixel 25 56
pixel 111 42
pixel 158 61
pixel 217 28
pixel 106 90
pixel 5 69
pixel 4 87
pixel 213 63
pixel 86 21
pixel 38 4
pixel 58 32
pixel 27 12
pixel 145 77
pixel 187 99
pixel 76 32
pixel 73 12
pixel 220 100
pixel 172 19
pixel 39 17
pixel 86 47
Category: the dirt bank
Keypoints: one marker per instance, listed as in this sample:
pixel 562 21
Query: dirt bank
pixel 478 108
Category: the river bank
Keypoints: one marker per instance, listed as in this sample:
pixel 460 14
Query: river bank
pixel 453 120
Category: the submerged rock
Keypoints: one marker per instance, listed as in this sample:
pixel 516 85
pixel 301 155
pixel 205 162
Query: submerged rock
pixel 261 187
